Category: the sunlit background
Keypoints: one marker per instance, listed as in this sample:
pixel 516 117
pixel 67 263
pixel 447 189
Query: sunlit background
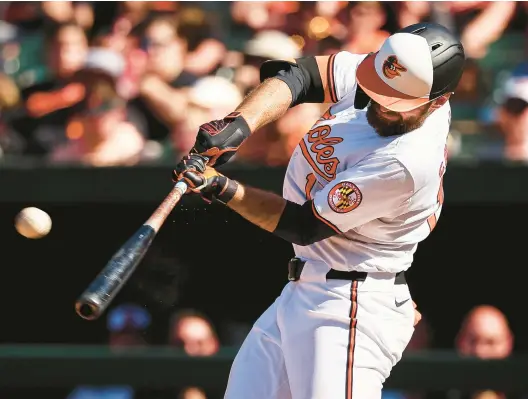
pixel 124 85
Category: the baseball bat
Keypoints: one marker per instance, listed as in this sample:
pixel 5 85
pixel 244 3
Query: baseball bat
pixel 104 288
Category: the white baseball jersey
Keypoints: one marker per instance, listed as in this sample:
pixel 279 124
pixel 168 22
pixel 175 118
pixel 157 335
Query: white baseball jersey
pixel 382 194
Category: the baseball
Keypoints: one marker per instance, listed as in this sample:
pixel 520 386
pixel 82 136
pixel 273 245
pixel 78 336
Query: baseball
pixel 33 223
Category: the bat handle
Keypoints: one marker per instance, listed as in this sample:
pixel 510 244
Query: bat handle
pixel 157 219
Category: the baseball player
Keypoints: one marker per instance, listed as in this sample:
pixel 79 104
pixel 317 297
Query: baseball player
pixel 362 189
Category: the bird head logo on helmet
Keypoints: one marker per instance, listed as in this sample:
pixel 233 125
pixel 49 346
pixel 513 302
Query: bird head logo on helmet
pixel 392 68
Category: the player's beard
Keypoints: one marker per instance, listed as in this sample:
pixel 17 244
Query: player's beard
pixel 389 123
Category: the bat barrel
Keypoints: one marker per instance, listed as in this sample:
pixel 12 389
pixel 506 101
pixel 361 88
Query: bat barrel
pixel 104 288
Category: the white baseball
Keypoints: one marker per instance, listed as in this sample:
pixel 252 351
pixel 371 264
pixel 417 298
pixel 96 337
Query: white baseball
pixel 33 223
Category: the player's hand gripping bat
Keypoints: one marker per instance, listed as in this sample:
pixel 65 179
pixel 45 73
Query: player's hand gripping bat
pixel 104 288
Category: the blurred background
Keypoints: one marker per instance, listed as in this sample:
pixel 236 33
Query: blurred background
pixel 98 100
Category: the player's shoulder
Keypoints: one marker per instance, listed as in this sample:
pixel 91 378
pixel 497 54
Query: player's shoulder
pixel 343 67
pixel 345 57
pixel 423 150
pixel 382 168
pixel 345 64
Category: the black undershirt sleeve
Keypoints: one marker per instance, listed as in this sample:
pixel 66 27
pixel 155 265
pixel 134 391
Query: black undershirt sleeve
pixel 303 78
pixel 300 225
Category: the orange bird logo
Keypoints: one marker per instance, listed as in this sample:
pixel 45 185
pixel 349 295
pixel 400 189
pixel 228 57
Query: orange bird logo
pixel 392 67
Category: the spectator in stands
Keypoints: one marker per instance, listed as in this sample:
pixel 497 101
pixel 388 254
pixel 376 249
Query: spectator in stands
pixel 314 21
pixel 211 98
pixel 192 393
pixel 126 325
pixel 479 23
pixel 50 104
pixel 10 142
pixel 486 23
pixel 100 132
pixel 205 50
pixel 331 11
pixel 194 333
pixel 9 93
pixel 512 116
pixel 61 12
pixel 127 17
pixel 119 32
pixel 161 100
pixel 34 16
pixel 134 12
pixel 262 15
pixel 67 49
pixel 412 12
pixel 26 15
pixel 265 45
pixel 365 33
pixel 485 333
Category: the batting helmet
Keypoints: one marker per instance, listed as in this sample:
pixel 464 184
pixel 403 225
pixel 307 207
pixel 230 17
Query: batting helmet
pixel 414 66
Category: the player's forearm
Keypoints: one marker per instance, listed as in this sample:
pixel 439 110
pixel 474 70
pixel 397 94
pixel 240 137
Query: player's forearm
pixel 297 224
pixel 267 103
pixel 262 208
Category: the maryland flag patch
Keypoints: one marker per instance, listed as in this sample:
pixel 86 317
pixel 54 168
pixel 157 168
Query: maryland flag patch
pixel 344 197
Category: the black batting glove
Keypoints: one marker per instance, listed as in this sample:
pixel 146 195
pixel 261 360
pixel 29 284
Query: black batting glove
pixel 219 140
pixel 204 180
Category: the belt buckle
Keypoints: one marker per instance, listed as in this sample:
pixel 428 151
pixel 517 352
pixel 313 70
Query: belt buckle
pixel 295 267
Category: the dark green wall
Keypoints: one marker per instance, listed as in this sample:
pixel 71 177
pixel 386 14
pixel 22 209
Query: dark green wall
pixel 210 258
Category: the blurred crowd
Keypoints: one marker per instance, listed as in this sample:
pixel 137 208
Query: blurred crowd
pixel 484 333
pixel 128 324
pixel 125 83
pixel 128 83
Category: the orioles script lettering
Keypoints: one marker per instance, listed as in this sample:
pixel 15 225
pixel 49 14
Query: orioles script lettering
pixel 322 147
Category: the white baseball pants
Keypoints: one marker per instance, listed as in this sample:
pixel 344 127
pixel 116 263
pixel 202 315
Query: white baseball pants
pixel 322 339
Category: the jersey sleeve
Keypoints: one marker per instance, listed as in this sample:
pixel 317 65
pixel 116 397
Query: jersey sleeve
pixel 368 191
pixel 341 73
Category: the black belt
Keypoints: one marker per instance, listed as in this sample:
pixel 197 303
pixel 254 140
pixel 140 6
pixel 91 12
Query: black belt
pixel 296 265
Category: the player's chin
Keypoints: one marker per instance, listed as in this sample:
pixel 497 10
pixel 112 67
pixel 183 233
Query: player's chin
pixel 383 124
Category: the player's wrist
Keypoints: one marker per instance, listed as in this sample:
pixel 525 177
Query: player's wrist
pixel 225 189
